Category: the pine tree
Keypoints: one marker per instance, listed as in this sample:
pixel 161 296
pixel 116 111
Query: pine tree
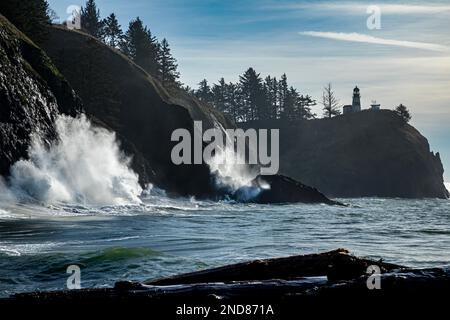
pixel 234 102
pixel 219 92
pixel 330 102
pixel 168 68
pixel 141 47
pixel 271 91
pixel 303 109
pixel 90 19
pixel 204 92
pixel 403 112
pixel 290 103
pixel 252 94
pixel 282 96
pixel 112 32
pixel 29 16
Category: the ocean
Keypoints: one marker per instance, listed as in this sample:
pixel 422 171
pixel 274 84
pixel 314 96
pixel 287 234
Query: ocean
pixel 162 236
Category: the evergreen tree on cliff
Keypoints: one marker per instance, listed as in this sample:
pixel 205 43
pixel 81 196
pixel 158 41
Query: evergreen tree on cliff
pixel 168 67
pixel 30 16
pixel 330 102
pixel 142 47
pixel 90 19
pixel 282 96
pixel 204 92
pixel 252 94
pixel 403 112
pixel 271 90
pixel 303 108
pixel 219 92
pixel 112 32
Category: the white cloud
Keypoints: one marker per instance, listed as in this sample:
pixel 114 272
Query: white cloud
pixel 353 7
pixel 359 37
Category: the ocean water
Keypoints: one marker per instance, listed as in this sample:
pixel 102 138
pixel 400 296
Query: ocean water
pixel 77 202
pixel 162 236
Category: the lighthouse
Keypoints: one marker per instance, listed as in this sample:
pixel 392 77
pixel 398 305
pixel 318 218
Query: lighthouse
pixel 356 102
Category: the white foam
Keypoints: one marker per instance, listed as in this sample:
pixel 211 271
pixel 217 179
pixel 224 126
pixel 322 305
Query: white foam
pixel 227 168
pixel 84 165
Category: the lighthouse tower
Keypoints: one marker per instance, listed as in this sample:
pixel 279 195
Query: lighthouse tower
pixel 356 103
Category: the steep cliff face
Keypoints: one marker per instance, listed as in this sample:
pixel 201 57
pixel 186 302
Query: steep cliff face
pixel 124 98
pixel 32 94
pixel 370 153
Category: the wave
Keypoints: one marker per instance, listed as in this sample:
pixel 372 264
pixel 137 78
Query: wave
pixel 83 165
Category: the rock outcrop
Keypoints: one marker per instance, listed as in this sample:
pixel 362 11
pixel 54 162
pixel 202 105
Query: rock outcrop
pixel 369 153
pixel 32 94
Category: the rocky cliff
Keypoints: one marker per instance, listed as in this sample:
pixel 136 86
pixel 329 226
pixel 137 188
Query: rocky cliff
pixel 32 94
pixel 370 153
pixel 121 96
pixel 115 94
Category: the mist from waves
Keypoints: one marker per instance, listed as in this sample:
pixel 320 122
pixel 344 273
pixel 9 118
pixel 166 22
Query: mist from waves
pixel 231 174
pixel 84 165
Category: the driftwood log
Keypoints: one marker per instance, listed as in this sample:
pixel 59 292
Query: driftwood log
pixel 336 265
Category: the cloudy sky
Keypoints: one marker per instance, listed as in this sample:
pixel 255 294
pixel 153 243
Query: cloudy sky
pixel 406 61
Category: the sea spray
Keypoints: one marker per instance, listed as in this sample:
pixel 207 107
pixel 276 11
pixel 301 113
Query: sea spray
pixel 83 165
pixel 230 174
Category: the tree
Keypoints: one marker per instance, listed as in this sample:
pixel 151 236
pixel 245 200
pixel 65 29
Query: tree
pixel 271 91
pixel 141 47
pixel 282 96
pixel 234 102
pixel 112 32
pixel 252 94
pixel 330 102
pixel 90 19
pixel 303 108
pixel 403 112
pixel 29 16
pixel 168 68
pixel 219 92
pixel 204 92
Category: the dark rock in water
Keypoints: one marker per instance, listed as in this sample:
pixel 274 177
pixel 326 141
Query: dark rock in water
pixel 32 94
pixel 368 153
pixel 122 97
pixel 282 189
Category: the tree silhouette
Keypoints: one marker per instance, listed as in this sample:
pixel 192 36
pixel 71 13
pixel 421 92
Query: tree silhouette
pixel 330 102
pixel 112 33
pixel 29 16
pixel 252 94
pixel 204 92
pixel 168 68
pixel 141 47
pixel 403 112
pixel 90 19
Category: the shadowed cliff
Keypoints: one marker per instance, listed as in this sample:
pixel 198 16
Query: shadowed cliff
pixel 121 96
pixel 369 153
pixel 32 94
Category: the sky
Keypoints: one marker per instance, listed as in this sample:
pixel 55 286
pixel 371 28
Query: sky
pixel 406 59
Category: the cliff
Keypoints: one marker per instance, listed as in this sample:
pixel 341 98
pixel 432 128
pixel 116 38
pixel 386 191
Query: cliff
pixel 32 94
pixel 117 95
pixel 369 153
pixel 122 97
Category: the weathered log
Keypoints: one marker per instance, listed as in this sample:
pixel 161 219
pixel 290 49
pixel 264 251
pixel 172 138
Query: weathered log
pixel 336 265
